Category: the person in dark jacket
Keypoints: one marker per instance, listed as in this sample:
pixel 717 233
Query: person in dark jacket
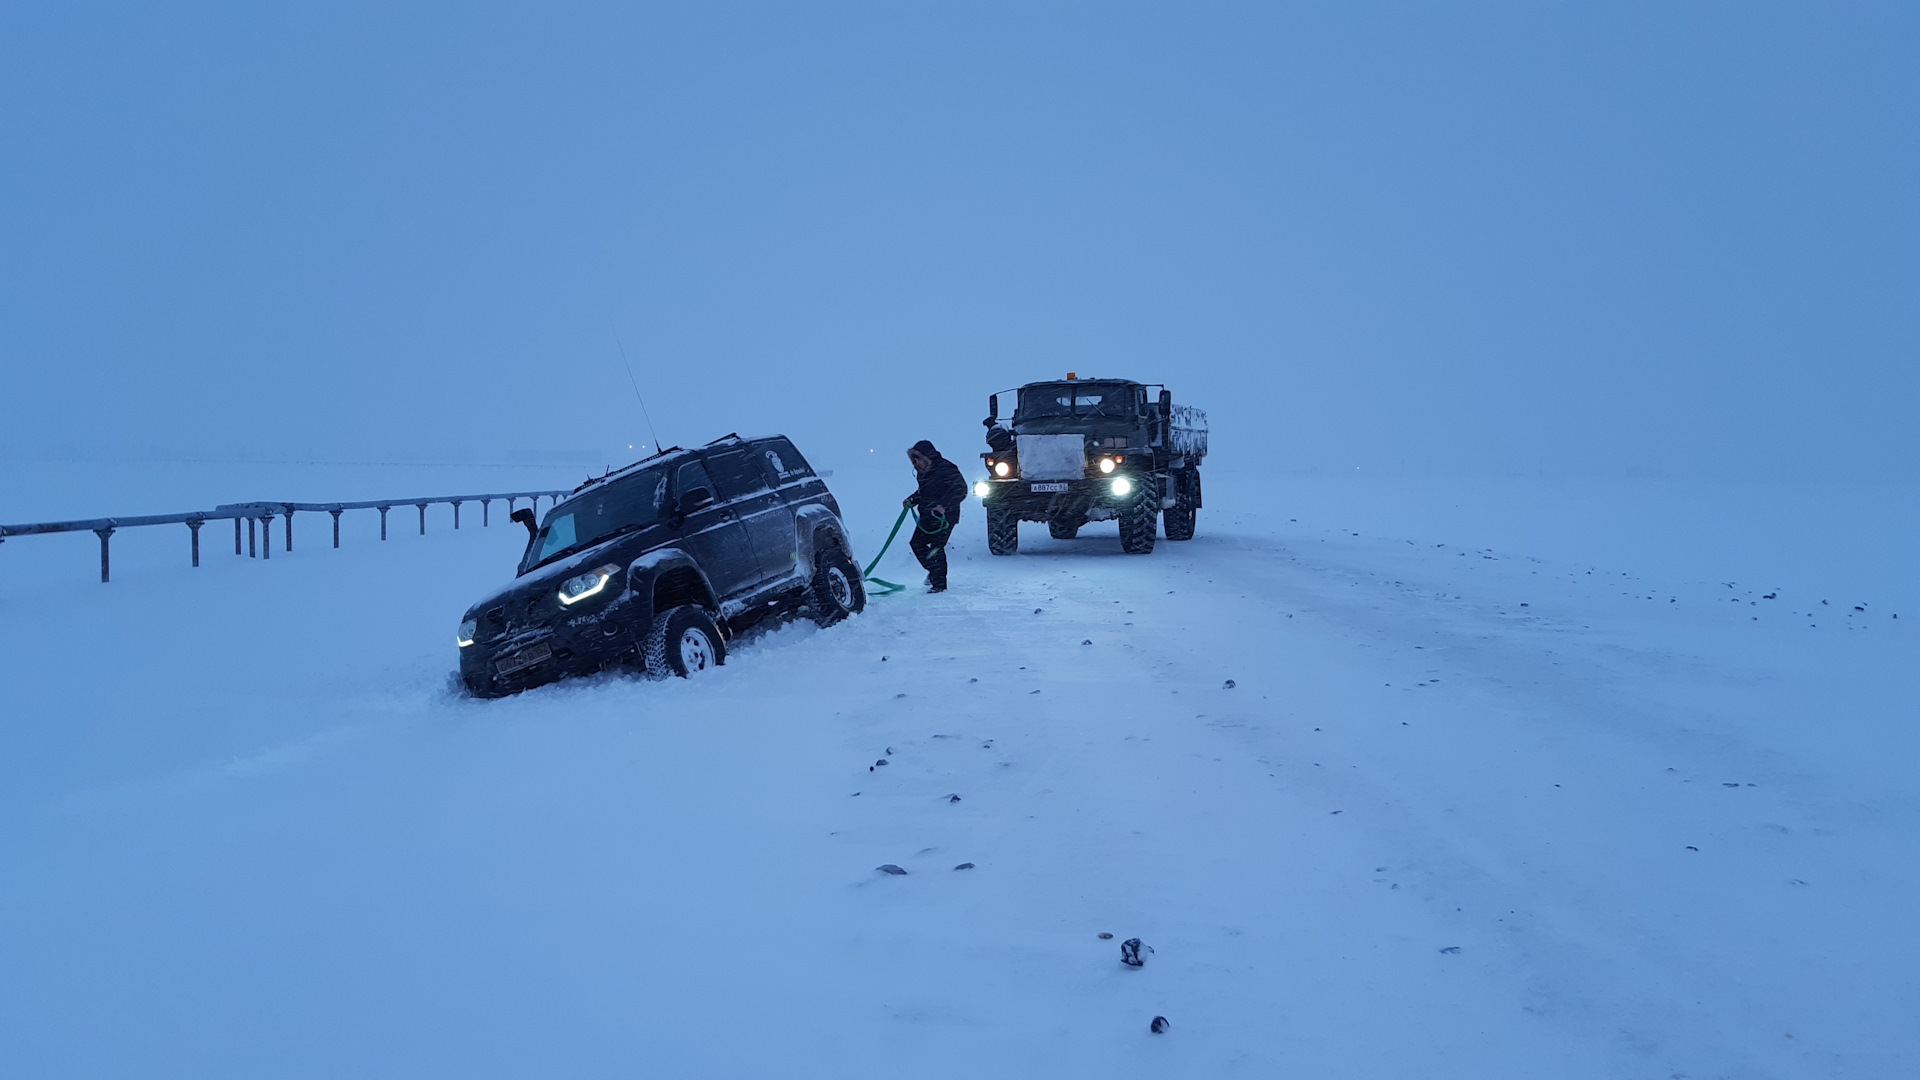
pixel 942 490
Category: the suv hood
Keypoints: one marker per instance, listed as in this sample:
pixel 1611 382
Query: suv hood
pixel 547 578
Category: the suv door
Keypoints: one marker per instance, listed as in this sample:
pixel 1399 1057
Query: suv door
pixel 714 536
pixel 742 481
pixel 788 472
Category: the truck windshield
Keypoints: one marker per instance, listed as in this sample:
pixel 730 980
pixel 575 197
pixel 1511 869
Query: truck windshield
pixel 626 504
pixel 1077 399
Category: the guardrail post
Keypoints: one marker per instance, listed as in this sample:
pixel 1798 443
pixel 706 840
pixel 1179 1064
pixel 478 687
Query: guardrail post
pixel 423 518
pixel 289 528
pixel 266 536
pixel 336 527
pixel 103 534
pixel 236 536
pixel 195 527
pixel 483 512
pixel 456 513
pixel 253 552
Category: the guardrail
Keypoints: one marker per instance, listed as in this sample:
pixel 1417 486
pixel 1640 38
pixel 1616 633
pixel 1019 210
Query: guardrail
pixel 261 515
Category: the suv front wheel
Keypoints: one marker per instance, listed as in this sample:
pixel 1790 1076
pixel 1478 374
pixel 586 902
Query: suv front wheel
pixel 683 640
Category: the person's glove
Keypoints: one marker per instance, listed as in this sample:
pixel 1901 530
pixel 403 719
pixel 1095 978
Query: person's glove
pixel 908 501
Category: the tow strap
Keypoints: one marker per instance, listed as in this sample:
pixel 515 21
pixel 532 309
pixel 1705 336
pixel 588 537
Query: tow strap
pixel 885 585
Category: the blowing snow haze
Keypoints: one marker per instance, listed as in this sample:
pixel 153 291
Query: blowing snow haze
pixel 1472 239
pixel 1526 692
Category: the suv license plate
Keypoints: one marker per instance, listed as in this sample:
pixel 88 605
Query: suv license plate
pixel 526 657
pixel 1046 487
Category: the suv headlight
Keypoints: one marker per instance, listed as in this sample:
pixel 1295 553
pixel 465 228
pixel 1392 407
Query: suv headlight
pixel 578 588
pixel 464 637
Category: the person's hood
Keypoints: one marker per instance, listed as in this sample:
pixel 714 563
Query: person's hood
pixel 925 449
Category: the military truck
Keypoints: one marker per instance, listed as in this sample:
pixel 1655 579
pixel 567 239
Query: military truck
pixel 1080 450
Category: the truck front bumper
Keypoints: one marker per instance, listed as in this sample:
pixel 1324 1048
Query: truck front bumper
pixel 1036 500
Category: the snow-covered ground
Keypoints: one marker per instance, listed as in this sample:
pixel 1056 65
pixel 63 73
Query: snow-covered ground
pixel 1397 779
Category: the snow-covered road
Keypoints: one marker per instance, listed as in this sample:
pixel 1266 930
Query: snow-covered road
pixel 1381 806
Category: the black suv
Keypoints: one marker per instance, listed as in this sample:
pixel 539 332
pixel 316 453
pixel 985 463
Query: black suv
pixel 659 564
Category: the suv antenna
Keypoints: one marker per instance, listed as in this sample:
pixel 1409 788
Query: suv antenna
pixel 635 383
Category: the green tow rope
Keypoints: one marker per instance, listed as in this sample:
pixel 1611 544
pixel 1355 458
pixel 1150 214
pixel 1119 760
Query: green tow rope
pixel 888 586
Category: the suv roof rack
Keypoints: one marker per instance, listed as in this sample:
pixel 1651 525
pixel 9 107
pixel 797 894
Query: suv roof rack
pixel 734 435
pixel 612 473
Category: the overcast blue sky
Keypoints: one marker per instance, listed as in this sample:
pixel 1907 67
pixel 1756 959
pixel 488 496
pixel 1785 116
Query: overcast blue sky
pixel 1478 237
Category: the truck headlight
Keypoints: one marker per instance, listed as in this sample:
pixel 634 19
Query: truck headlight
pixel 982 488
pixel 464 636
pixel 1106 464
pixel 1002 469
pixel 575 589
pixel 1122 486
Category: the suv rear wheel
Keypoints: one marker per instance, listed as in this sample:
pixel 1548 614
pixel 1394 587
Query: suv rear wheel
pixel 835 591
pixel 683 640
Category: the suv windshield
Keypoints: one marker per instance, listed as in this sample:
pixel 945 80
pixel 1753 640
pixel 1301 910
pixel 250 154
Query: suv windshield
pixel 1078 399
pixel 626 504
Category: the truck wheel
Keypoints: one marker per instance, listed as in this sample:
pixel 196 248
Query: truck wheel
pixel 835 592
pixel 1180 518
pixel 683 640
pixel 1140 520
pixel 1003 532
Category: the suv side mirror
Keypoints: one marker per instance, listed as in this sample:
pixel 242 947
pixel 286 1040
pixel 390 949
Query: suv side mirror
pixel 525 517
pixel 696 499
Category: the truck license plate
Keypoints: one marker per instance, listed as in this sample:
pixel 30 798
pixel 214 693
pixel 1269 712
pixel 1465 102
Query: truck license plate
pixel 526 657
pixel 1046 487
